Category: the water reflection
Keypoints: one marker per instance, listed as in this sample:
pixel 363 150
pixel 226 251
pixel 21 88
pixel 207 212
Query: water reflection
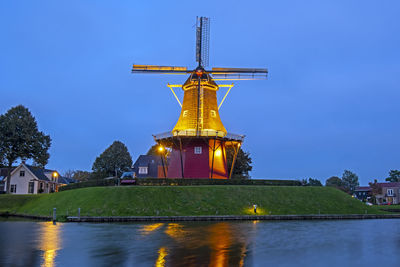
pixel 49 242
pixel 162 253
pixel 148 228
pixel 212 244
pixel 284 243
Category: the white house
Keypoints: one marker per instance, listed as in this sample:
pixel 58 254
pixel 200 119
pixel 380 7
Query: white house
pixel 26 179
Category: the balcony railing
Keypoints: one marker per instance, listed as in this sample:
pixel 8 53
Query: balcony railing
pixel 203 133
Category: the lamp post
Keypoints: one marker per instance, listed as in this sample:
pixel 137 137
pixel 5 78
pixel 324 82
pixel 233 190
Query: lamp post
pixel 161 150
pixel 55 175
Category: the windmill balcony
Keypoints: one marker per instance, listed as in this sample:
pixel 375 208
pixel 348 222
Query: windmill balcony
pixel 203 133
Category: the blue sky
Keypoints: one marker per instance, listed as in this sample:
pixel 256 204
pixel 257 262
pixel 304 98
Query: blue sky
pixel 331 101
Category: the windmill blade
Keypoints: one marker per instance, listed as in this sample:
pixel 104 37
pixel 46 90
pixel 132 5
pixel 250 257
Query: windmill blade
pixel 202 40
pixel 237 70
pixel 159 69
pixel 226 74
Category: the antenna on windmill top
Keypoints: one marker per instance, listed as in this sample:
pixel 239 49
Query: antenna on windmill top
pixel 202 40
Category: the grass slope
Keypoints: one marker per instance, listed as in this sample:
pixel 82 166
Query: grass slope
pixel 187 200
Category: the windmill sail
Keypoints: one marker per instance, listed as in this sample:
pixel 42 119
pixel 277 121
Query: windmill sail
pixel 238 74
pixel 159 69
pixel 202 41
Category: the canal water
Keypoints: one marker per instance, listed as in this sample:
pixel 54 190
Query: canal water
pixel 247 243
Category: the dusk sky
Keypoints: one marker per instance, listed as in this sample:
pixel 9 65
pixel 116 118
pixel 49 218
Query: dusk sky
pixel 331 101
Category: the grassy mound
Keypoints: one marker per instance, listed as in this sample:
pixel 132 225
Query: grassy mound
pixel 187 200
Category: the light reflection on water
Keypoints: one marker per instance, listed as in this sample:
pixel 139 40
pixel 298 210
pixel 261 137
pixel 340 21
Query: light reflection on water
pixel 49 242
pixel 252 243
pixel 215 244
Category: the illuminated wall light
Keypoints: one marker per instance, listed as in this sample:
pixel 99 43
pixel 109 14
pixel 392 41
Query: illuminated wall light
pixel 218 153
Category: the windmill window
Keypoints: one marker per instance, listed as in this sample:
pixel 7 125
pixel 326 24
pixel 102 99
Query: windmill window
pixel 143 170
pixel 213 113
pixel 22 173
pixel 197 150
pixel 185 113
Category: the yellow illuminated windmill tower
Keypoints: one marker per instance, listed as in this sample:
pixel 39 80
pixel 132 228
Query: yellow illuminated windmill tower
pixel 199 140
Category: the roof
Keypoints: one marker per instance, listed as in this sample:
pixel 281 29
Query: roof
pixel 363 188
pixel 39 173
pixel 392 184
pixel 66 180
pixel 144 160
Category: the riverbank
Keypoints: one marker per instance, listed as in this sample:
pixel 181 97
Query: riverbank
pixel 187 201
pixel 233 218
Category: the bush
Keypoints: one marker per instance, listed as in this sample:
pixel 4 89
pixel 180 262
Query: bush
pixel 184 182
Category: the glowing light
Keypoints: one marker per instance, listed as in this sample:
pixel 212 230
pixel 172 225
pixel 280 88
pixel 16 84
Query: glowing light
pixel 218 153
pixel 55 174
pixel 161 148
pixel 162 253
pixel 260 211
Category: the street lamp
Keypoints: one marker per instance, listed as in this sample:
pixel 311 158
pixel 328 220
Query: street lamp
pixel 55 175
pixel 161 150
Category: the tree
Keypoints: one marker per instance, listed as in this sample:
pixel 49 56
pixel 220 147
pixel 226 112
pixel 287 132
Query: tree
pixel 311 182
pixel 78 175
pixel 394 176
pixel 314 182
pixel 69 173
pixel 376 189
pixel 242 165
pixel 113 161
pixel 350 181
pixel 334 181
pixel 21 139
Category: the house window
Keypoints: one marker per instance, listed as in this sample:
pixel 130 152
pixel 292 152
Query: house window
pixel 213 113
pixel 197 150
pixel 185 113
pixel 390 192
pixel 31 186
pixel 143 170
pixel 22 173
pixel 13 188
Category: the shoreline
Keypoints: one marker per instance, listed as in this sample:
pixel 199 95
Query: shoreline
pixel 108 219
pixel 232 218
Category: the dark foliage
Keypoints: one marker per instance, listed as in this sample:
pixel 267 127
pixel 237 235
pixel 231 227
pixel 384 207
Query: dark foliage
pixel 311 182
pixel 242 165
pixel 113 161
pixel 350 181
pixel 394 176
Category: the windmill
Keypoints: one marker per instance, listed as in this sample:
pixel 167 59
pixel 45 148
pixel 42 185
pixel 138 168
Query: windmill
pixel 199 140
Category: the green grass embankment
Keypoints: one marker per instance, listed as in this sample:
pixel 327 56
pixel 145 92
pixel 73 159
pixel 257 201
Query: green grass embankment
pixel 187 200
